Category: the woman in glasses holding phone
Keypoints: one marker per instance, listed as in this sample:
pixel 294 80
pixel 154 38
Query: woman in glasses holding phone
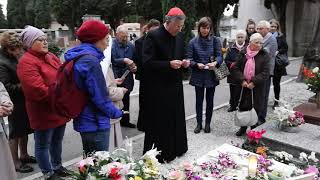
pixel 204 51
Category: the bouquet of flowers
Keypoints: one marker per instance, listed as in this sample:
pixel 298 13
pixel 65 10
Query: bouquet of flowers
pixel 118 166
pixel 212 168
pixel 312 79
pixel 287 117
pixel 253 143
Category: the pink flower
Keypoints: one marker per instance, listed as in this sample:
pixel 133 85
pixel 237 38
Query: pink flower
pixel 175 175
pixel 187 166
pixel 311 169
pixel 255 136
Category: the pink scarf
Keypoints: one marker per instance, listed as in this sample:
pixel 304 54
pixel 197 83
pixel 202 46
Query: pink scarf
pixel 249 69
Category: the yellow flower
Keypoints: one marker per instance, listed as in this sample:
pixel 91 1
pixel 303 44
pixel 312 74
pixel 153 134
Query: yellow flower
pixel 137 178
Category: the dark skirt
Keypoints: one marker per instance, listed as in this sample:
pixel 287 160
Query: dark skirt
pixel 19 125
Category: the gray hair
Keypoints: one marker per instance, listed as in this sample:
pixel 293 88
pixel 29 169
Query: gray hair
pixel 174 18
pixel 240 31
pixel 122 28
pixel 256 36
pixel 264 23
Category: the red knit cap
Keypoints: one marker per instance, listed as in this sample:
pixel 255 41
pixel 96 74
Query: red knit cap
pixel 92 31
pixel 175 11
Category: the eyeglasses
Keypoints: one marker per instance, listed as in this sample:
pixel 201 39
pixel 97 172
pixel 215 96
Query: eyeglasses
pixel 42 40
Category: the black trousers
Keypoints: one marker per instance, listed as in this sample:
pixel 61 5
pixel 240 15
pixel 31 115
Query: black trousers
pixel 126 106
pixel 235 91
pixel 276 86
pixel 199 103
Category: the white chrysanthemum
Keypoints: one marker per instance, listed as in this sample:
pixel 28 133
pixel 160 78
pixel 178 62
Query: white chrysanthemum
pixel 303 156
pixel 105 170
pixel 313 157
pixel 315 70
pixel 102 155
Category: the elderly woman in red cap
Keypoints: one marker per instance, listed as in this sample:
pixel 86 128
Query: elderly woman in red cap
pixel 93 123
pixel 164 114
pixel 37 70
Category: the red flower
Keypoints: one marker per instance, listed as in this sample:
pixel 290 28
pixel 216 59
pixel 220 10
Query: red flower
pixel 308 73
pixel 114 174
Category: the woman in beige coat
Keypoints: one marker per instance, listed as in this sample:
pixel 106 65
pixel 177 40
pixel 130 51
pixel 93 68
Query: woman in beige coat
pixel 7 169
pixel 116 95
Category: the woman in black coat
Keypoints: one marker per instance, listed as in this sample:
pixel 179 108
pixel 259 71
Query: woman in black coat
pixel 279 69
pixel 251 71
pixel 232 53
pixel 19 128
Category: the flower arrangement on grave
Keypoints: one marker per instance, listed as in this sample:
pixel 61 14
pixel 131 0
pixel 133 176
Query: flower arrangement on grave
pixel 287 117
pixel 263 169
pixel 254 144
pixel 118 165
pixel 211 168
pixel 312 79
pixel 309 163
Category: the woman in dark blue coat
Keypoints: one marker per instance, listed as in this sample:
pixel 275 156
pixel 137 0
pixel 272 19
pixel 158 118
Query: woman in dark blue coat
pixel 204 51
pixel 232 53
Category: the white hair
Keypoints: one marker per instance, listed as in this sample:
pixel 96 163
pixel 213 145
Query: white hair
pixel 240 31
pixel 256 36
pixel 174 18
pixel 122 28
pixel 264 23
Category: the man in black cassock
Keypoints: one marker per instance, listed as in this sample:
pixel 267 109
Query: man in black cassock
pixel 163 114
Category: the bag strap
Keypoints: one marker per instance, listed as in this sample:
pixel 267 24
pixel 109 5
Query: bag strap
pixel 241 98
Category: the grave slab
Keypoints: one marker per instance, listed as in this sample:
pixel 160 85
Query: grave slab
pixel 306 140
pixel 310 112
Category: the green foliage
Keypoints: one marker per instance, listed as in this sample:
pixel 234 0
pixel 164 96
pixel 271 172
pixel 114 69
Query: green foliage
pixel 213 9
pixel 149 9
pixel 55 49
pixel 42 14
pixel 3 21
pixel 16 13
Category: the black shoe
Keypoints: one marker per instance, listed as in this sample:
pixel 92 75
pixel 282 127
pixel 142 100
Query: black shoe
pixel 241 131
pixel 62 172
pixel 276 104
pixel 23 168
pixel 207 128
pixel 54 176
pixel 128 125
pixel 29 159
pixel 198 129
pixel 231 109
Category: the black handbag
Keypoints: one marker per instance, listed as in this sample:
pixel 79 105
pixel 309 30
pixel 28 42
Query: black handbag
pixel 282 60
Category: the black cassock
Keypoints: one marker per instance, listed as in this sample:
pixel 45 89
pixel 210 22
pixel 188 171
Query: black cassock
pixel 163 111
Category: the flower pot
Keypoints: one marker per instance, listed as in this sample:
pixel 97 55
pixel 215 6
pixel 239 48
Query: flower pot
pixel 289 129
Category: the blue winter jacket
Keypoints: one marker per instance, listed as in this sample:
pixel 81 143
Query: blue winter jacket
pixel 199 51
pixel 119 52
pixel 89 77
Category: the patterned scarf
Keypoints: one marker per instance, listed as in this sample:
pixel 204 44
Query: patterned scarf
pixel 249 68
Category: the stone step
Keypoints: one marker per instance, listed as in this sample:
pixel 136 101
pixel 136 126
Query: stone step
pixel 310 112
pixel 306 140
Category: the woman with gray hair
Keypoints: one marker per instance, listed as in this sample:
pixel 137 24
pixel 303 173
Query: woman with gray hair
pixel 19 126
pixel 37 70
pixel 7 169
pixel 232 53
pixel 251 71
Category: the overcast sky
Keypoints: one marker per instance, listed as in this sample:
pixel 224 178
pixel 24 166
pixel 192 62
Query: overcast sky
pixel 4 6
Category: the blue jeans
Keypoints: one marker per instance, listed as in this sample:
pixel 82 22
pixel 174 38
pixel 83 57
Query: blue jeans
pixel 95 141
pixel 264 108
pixel 199 103
pixel 48 149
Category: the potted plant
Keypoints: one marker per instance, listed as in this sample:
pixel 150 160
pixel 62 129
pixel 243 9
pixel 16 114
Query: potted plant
pixel 288 120
pixel 312 79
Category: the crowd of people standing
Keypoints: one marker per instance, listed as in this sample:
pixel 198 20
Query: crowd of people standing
pixel 104 68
